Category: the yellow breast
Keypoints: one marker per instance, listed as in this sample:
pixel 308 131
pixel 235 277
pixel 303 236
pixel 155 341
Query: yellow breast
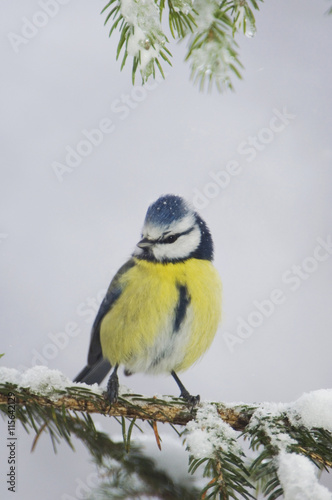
pixel 139 326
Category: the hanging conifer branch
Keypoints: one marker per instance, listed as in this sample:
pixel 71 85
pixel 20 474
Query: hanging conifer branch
pixel 209 26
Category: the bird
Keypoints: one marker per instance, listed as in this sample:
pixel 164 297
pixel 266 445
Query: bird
pixel 163 307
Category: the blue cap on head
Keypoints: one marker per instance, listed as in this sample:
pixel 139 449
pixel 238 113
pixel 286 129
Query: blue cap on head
pixel 173 232
pixel 167 209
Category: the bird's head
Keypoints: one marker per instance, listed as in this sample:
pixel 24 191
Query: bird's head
pixel 173 232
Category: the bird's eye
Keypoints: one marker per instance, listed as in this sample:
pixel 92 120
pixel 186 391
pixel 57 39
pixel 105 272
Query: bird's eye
pixel 171 238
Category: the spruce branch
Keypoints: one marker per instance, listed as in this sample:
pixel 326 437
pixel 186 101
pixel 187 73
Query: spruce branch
pixel 134 406
pixel 44 401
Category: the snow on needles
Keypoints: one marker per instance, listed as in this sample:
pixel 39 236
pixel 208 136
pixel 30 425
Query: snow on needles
pixel 143 16
pixel 206 10
pixel 314 409
pixel 208 433
pixel 298 478
pixel 297 474
pixel 41 380
pixel 264 418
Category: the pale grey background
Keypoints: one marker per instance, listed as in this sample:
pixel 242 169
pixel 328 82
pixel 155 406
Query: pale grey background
pixel 62 241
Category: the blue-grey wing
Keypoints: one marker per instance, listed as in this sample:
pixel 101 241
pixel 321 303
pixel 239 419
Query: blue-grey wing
pixel 113 293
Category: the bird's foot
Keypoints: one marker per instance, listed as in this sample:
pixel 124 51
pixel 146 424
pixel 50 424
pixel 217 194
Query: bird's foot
pixel 192 400
pixel 113 388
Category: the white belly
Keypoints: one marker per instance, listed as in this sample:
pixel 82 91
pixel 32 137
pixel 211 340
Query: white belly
pixel 167 351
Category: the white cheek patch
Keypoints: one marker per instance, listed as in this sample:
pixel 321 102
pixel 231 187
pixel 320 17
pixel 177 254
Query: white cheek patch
pixel 181 248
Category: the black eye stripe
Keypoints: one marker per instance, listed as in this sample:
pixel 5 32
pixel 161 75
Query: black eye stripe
pixel 173 237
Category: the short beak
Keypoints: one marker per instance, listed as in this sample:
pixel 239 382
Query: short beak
pixel 145 243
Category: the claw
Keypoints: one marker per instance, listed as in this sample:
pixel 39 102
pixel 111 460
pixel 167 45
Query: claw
pixel 192 400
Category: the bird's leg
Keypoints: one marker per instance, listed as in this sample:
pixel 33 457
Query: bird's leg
pixel 113 386
pixel 193 400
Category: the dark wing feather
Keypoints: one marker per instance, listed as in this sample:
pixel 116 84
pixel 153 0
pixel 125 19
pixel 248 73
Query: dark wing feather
pixel 98 367
pixel 94 374
pixel 95 352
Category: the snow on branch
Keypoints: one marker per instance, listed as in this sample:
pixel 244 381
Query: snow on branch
pixel 290 442
pixel 50 388
pixel 208 25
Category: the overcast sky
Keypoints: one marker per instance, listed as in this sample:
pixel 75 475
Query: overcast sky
pixel 256 162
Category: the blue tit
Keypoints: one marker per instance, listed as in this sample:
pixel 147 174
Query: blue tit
pixel 163 307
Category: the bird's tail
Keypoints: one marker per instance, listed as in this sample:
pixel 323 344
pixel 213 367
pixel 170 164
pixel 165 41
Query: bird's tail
pixel 92 374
